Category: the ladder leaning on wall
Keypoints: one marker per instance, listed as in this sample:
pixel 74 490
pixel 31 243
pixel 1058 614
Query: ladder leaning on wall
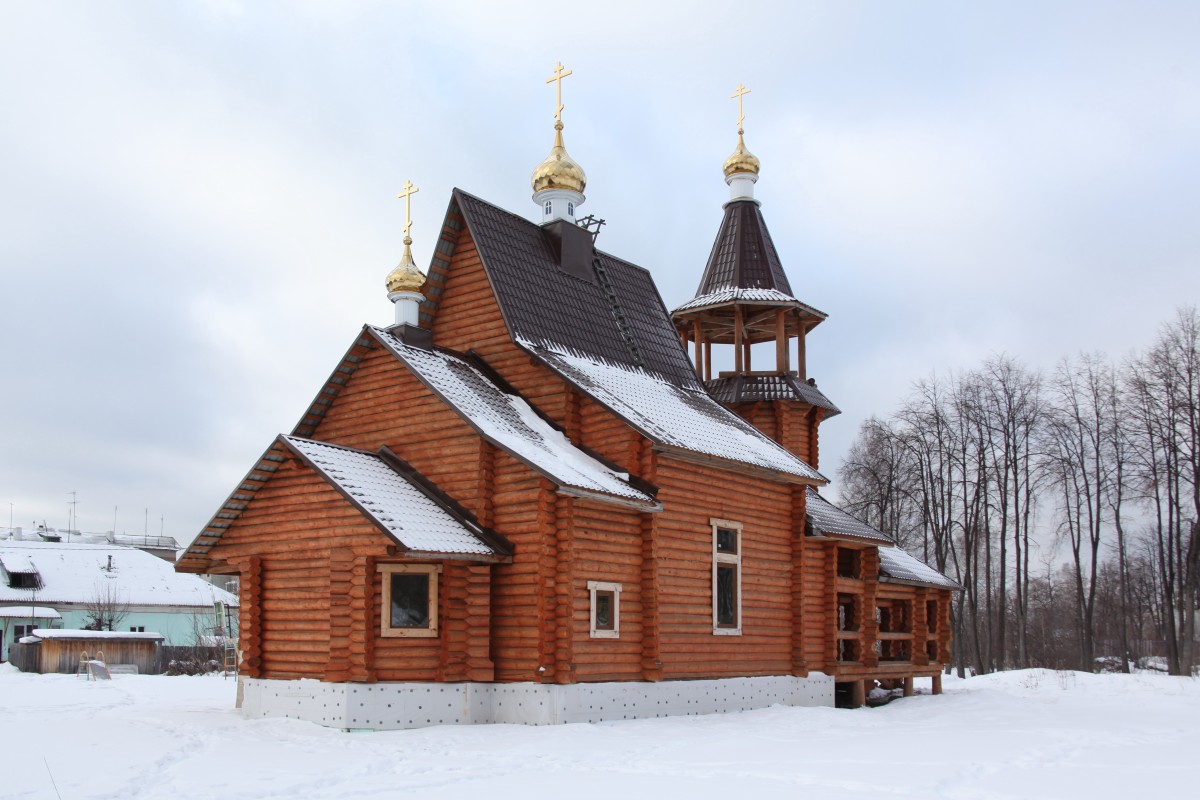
pixel 223 630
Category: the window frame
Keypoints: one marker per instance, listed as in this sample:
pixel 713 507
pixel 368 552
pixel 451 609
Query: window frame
pixel 433 571
pixel 727 559
pixel 595 588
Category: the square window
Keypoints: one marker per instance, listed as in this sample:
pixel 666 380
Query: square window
pixel 848 563
pixel 409 602
pixel 605 609
pixel 727 540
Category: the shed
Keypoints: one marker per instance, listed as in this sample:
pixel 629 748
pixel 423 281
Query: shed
pixel 61 650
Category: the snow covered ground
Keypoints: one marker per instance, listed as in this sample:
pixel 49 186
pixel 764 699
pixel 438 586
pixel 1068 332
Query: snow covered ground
pixel 1028 734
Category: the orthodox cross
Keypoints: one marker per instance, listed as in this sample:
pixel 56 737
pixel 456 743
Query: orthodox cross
pixel 741 91
pixel 559 74
pixel 407 193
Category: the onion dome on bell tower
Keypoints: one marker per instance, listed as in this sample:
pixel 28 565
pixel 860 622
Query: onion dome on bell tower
pixel 404 283
pixel 745 299
pixel 558 182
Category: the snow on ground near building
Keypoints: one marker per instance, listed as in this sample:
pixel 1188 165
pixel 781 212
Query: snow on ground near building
pixel 1028 734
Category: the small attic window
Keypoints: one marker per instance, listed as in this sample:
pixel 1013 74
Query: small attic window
pixel 24 580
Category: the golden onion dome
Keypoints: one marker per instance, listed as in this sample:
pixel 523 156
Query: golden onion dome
pixel 405 277
pixel 558 171
pixel 742 159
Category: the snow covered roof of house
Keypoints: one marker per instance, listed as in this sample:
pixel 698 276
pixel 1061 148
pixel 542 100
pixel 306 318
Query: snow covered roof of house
pixel 28 612
pixel 406 511
pixel 17 564
pixel 74 572
pixel 509 422
pixel 829 520
pixel 392 495
pixel 899 566
pixel 668 414
pixel 894 563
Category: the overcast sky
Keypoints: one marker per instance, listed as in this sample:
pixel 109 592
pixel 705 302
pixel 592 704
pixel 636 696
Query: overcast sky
pixel 198 200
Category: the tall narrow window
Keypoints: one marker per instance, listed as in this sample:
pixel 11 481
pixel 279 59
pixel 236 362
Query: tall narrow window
pixel 727 577
pixel 570 209
pixel 606 609
pixel 409 606
pixel 549 208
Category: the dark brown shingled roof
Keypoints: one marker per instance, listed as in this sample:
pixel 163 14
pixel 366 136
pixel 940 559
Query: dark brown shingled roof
pixel 614 314
pixel 743 256
pixel 749 388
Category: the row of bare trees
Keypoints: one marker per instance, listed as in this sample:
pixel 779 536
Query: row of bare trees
pixel 1066 504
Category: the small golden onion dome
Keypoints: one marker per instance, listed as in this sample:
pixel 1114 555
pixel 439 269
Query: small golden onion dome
pixel 405 277
pixel 742 159
pixel 558 171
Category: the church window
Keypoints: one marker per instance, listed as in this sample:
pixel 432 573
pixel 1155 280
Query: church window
pixel 570 209
pixel 605 609
pixel 727 577
pixel 549 208
pixel 410 595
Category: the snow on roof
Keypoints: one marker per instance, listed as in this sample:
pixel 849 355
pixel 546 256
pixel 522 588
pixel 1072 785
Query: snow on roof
pixel 17 564
pixel 393 502
pixel 828 519
pixel 511 424
pixel 28 612
pixel 71 573
pixel 722 296
pixel 46 633
pixel 672 415
pixel 894 563
pixel 899 565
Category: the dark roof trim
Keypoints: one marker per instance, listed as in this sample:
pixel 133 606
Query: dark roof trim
pixel 451 506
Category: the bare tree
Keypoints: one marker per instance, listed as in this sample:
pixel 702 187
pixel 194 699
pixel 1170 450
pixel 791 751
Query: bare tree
pixel 106 609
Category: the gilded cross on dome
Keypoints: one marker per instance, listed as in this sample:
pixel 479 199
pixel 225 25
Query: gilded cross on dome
pixel 407 193
pixel 741 92
pixel 557 77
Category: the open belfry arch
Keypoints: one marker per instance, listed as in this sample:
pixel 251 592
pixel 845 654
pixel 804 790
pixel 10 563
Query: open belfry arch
pixel 524 501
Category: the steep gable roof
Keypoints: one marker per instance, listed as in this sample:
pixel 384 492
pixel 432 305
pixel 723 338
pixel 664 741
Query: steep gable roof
pixel 614 314
pixel 391 495
pixel 506 420
pixel 608 333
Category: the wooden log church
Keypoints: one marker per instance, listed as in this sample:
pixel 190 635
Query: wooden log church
pixel 531 499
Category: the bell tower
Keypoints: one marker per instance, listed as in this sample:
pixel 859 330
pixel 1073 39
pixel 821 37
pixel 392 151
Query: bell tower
pixel 744 299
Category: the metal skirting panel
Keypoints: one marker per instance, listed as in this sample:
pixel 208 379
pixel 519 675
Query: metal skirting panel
pixel 394 706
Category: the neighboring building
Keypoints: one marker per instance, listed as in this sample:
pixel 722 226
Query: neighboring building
pixel 68 582
pixel 165 547
pixel 522 503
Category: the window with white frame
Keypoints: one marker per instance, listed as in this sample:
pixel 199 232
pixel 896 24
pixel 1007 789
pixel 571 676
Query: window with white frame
pixel 410 600
pixel 727 577
pixel 605 609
